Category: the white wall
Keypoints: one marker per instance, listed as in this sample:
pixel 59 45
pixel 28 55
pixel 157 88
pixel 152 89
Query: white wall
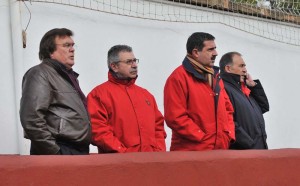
pixel 160 46
pixel 8 111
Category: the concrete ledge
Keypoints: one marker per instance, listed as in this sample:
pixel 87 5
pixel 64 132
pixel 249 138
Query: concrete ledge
pixel 225 167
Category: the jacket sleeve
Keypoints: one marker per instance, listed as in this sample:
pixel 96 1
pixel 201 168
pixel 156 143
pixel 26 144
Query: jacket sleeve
pixel 176 115
pixel 160 133
pixel 230 111
pixel 102 133
pixel 36 98
pixel 258 93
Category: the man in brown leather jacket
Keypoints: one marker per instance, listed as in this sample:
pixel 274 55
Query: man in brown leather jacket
pixel 53 108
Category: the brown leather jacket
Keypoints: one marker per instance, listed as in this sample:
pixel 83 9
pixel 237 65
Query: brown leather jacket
pixel 51 110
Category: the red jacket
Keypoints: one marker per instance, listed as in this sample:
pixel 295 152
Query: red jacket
pixel 125 118
pixel 189 104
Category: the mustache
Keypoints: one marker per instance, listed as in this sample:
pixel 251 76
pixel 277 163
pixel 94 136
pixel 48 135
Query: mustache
pixel 213 57
pixel 133 70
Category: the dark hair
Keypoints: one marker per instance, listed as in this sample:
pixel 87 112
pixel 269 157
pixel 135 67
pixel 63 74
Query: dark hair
pixel 196 40
pixel 47 44
pixel 226 59
pixel 113 53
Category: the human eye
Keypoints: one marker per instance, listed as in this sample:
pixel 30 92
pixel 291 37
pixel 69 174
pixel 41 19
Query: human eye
pixel 129 61
pixel 67 45
pixel 135 60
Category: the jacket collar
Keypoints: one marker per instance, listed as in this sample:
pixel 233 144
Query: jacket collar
pixel 113 78
pixel 189 67
pixel 59 66
pixel 233 79
pixel 60 69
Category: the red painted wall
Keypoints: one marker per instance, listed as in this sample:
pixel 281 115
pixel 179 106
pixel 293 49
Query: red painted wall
pixel 224 167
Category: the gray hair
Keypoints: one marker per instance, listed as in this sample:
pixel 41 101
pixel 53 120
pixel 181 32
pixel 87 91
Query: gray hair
pixel 113 53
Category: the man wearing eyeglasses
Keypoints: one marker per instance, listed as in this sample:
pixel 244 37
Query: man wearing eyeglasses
pixel 53 108
pixel 124 116
pixel 197 108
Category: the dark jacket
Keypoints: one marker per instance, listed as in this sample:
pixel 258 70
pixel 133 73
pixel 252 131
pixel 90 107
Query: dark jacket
pixel 52 111
pixel 248 113
pixel 200 117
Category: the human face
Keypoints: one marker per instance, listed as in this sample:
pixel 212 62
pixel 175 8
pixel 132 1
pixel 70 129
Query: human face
pixel 64 52
pixel 124 70
pixel 207 55
pixel 238 67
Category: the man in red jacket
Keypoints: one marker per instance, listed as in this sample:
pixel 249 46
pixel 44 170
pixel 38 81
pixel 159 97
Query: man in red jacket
pixel 197 108
pixel 124 116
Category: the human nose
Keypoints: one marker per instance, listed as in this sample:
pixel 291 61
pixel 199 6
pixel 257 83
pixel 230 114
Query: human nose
pixel 72 48
pixel 134 64
pixel 215 53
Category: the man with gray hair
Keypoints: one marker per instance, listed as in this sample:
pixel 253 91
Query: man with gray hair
pixel 124 116
pixel 249 101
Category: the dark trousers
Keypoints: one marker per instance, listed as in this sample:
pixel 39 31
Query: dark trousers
pixel 69 149
pixel 65 149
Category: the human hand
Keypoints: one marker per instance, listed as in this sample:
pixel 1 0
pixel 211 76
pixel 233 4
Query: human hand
pixel 249 80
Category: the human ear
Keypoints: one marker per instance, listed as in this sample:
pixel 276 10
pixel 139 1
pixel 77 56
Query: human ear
pixel 195 53
pixel 114 67
pixel 227 68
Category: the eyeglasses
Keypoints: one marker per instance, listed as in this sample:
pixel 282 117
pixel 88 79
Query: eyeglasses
pixel 67 45
pixel 129 61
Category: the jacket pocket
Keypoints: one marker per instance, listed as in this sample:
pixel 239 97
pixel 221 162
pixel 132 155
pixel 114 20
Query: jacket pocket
pixel 134 148
pixel 132 144
pixel 224 139
pixel 155 147
pixel 54 124
pixel 131 141
pixel 243 139
pixel 62 125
